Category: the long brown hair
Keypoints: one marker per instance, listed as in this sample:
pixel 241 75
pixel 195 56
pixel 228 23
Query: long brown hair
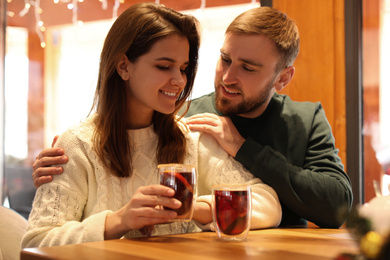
pixel 133 33
pixel 273 24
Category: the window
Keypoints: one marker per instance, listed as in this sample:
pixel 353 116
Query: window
pixel 35 114
pixel 376 93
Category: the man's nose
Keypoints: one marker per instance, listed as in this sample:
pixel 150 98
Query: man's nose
pixel 230 76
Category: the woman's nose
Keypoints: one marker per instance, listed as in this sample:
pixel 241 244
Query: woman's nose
pixel 179 79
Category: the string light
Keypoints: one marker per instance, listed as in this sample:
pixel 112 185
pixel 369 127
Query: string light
pixel 74 11
pixel 71 5
pixel 203 4
pixel 25 9
pixel 115 9
pixel 104 4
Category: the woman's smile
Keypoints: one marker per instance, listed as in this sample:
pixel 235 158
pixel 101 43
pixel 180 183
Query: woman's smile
pixel 156 79
pixel 170 94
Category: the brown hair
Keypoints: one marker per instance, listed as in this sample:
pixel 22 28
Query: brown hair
pixel 133 33
pixel 273 24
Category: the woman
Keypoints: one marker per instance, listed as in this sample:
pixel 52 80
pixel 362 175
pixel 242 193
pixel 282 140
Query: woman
pixel 147 69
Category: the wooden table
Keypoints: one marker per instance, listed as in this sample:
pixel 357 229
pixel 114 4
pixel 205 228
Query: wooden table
pixel 299 243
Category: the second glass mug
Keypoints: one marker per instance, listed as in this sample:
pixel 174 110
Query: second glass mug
pixel 232 208
pixel 183 179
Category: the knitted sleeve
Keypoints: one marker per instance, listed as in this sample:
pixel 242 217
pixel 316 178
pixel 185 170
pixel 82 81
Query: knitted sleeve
pixel 57 216
pixel 217 166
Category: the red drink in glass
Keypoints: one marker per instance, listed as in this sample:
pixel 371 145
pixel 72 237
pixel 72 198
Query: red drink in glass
pixel 182 179
pixel 183 184
pixel 232 211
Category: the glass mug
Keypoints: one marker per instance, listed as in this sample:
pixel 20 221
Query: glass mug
pixel 232 208
pixel 181 178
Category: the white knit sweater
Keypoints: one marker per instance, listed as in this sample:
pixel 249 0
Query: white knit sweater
pixel 73 207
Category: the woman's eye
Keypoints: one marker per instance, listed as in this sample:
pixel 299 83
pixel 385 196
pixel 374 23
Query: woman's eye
pixel 163 67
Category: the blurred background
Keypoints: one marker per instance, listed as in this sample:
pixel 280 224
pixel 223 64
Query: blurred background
pixel 50 56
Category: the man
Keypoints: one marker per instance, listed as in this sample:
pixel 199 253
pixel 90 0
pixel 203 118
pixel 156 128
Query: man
pixel 289 145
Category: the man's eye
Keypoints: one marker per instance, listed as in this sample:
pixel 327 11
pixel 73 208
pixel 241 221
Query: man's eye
pixel 248 69
pixel 226 60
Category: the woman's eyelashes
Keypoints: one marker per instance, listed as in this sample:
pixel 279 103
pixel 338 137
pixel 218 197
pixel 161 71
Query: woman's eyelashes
pixel 161 67
pixel 183 70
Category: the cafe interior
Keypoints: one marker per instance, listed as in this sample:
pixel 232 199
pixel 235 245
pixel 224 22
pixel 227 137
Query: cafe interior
pixel 50 49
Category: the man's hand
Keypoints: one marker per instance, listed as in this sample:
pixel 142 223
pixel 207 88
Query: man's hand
pixel 221 128
pixel 42 167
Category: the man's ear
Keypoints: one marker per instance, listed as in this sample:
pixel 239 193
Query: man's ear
pixel 122 66
pixel 284 78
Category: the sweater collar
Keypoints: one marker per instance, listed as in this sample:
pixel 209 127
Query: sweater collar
pixel 142 134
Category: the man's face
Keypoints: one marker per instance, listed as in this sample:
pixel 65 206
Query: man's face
pixel 245 75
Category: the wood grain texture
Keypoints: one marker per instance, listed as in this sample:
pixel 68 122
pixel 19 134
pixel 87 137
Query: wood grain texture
pixel 275 244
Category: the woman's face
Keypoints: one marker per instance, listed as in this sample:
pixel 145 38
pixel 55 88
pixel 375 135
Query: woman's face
pixel 156 79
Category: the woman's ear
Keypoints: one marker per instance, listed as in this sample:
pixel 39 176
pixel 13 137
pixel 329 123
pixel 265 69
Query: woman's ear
pixel 122 67
pixel 284 78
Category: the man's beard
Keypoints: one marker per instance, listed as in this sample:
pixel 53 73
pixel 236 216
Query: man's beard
pixel 246 105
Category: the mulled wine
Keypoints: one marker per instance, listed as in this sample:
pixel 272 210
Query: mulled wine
pixel 182 179
pixel 232 211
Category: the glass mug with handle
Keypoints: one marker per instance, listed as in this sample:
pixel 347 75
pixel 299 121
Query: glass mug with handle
pixel 183 180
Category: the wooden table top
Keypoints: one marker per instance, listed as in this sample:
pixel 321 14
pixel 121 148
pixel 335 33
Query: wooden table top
pixel 297 243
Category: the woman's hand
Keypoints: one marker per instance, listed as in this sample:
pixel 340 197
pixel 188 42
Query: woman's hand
pixel 145 209
pixel 203 213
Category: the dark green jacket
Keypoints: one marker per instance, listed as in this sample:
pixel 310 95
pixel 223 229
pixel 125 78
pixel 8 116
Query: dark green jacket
pixel 291 148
